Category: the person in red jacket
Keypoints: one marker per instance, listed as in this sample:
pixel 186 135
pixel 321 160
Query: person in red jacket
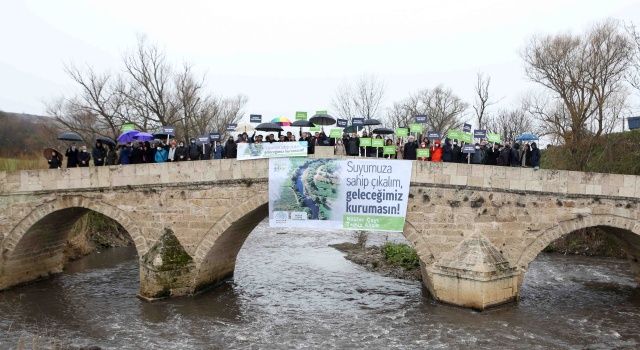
pixel 436 152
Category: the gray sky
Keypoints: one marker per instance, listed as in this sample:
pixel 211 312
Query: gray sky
pixel 289 55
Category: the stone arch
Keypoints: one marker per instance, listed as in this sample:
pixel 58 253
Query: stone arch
pixel 618 223
pixel 215 256
pixel 69 202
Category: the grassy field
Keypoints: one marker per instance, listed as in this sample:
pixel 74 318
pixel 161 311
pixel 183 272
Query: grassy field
pixel 13 164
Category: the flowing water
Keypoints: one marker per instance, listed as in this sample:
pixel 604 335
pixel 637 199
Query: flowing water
pixel 293 291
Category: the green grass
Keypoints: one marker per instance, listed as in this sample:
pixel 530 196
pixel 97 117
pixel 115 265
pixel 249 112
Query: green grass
pixel 13 164
pixel 400 254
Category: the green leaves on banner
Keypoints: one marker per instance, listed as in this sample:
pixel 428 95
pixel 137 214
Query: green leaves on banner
pixel 301 115
pixel 415 127
pixel 377 142
pixel 423 153
pixel 365 142
pixel 389 150
pixel 402 132
pixel 491 137
pixel 335 133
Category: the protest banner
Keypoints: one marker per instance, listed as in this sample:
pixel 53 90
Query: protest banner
pixel 377 143
pixel 480 134
pixel 354 194
pixel 365 142
pixel 255 118
pixel 466 127
pixel 492 137
pixel 389 150
pixel 421 119
pixel 232 127
pixel 415 128
pixel 402 132
pixel 335 133
pixel 272 150
pixel 423 153
pixel 301 115
pixel 341 123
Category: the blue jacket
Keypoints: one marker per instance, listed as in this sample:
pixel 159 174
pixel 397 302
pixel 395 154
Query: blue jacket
pixel 161 155
pixel 219 151
pixel 125 154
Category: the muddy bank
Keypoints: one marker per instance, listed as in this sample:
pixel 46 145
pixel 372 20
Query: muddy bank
pixel 95 232
pixel 587 242
pixel 373 259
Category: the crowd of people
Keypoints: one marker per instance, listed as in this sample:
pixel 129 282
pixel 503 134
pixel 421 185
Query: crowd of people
pixel 508 154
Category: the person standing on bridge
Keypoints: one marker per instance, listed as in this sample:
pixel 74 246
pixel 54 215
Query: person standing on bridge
pixel 72 156
pixel 84 157
pixel 112 155
pixel 99 153
pixel 194 150
pixel 231 149
pixel 410 148
pixel 54 162
pixel 535 156
pixel 182 153
pixel 161 154
pixel 436 151
pixel 125 154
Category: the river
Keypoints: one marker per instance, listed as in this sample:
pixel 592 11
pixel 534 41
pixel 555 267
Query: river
pixel 292 291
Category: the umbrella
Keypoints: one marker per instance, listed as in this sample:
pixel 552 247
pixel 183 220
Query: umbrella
pixel 322 119
pixel 527 136
pixel 268 127
pixel 383 131
pixel 371 122
pixel 106 140
pixel 143 136
pixel 164 135
pixel 352 129
pixel 282 121
pixel 303 124
pixel 69 136
pixel 244 127
pixel 127 136
pixel 49 151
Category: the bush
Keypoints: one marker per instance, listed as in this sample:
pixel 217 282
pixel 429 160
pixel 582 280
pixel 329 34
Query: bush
pixel 401 254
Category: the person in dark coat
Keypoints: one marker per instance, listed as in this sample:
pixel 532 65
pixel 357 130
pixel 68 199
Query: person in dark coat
pixel 447 151
pixel 535 156
pixel 194 150
pixel 99 154
pixel 504 159
pixel 112 156
pixel 125 154
pixel 231 149
pixel 136 154
pixel 514 157
pixel 476 158
pixel 72 156
pixel 410 148
pixel 83 157
pixel 182 152
pixel 352 146
pixel 218 152
pixel 148 153
pixel 492 155
pixel 54 162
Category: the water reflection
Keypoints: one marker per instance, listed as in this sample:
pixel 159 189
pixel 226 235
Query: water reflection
pixel 293 291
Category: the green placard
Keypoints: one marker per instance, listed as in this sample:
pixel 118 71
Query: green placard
pixel 415 127
pixel 454 134
pixel 322 112
pixel 491 137
pixel 466 137
pixel 365 141
pixel 335 133
pixel 127 127
pixel 315 129
pixel 402 132
pixel 301 115
pixel 389 150
pixel 423 153
pixel 377 142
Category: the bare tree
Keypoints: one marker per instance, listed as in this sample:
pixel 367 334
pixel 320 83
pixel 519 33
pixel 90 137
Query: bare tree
pixel 361 99
pixel 585 73
pixel 509 123
pixel 481 101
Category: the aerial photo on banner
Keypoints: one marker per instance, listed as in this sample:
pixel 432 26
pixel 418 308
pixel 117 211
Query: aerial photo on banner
pixel 271 150
pixel 354 194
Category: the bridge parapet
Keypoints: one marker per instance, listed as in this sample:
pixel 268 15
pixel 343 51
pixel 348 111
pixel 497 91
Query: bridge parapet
pixel 448 174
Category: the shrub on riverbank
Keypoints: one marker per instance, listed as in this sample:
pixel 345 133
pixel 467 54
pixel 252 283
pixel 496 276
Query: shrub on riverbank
pixel 400 254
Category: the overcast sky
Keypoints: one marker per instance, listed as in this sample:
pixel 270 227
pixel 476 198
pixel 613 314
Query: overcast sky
pixel 289 56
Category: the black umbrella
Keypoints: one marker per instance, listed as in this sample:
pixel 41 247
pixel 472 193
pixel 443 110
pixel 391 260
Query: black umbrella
pixel 383 131
pixel 303 124
pixel 352 129
pixel 106 140
pixel 322 119
pixel 269 127
pixel 371 122
pixel 69 136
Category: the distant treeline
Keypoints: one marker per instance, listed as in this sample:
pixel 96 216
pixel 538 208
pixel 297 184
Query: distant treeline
pixel 26 135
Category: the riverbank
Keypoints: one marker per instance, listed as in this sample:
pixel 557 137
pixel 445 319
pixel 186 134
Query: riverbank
pixel 95 232
pixel 587 242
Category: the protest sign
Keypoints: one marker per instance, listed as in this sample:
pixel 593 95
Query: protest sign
pixel 354 194
pixel 271 150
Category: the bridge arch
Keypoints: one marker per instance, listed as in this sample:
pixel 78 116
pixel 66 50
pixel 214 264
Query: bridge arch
pixel 623 228
pixel 34 247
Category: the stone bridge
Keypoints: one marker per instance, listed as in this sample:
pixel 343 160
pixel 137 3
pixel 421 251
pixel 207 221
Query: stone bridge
pixel 476 228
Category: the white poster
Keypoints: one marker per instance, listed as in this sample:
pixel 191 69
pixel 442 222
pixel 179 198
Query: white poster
pixel 272 150
pixel 356 194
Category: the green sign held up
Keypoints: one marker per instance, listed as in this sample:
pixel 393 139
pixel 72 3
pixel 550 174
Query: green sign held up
pixel 127 127
pixel 321 112
pixel 402 132
pixel 315 129
pixel 365 142
pixel 415 128
pixel 301 115
pixel 335 133
pixel 466 137
pixel 454 134
pixel 423 153
pixel 389 150
pixel 492 137
pixel 377 143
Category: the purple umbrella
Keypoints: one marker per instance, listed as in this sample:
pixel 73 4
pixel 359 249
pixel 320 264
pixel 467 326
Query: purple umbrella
pixel 128 136
pixel 143 136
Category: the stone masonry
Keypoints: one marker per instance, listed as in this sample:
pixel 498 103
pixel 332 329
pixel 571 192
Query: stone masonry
pixel 476 228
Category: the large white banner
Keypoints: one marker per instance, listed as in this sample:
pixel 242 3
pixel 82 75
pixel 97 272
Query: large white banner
pixel 272 150
pixel 356 194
